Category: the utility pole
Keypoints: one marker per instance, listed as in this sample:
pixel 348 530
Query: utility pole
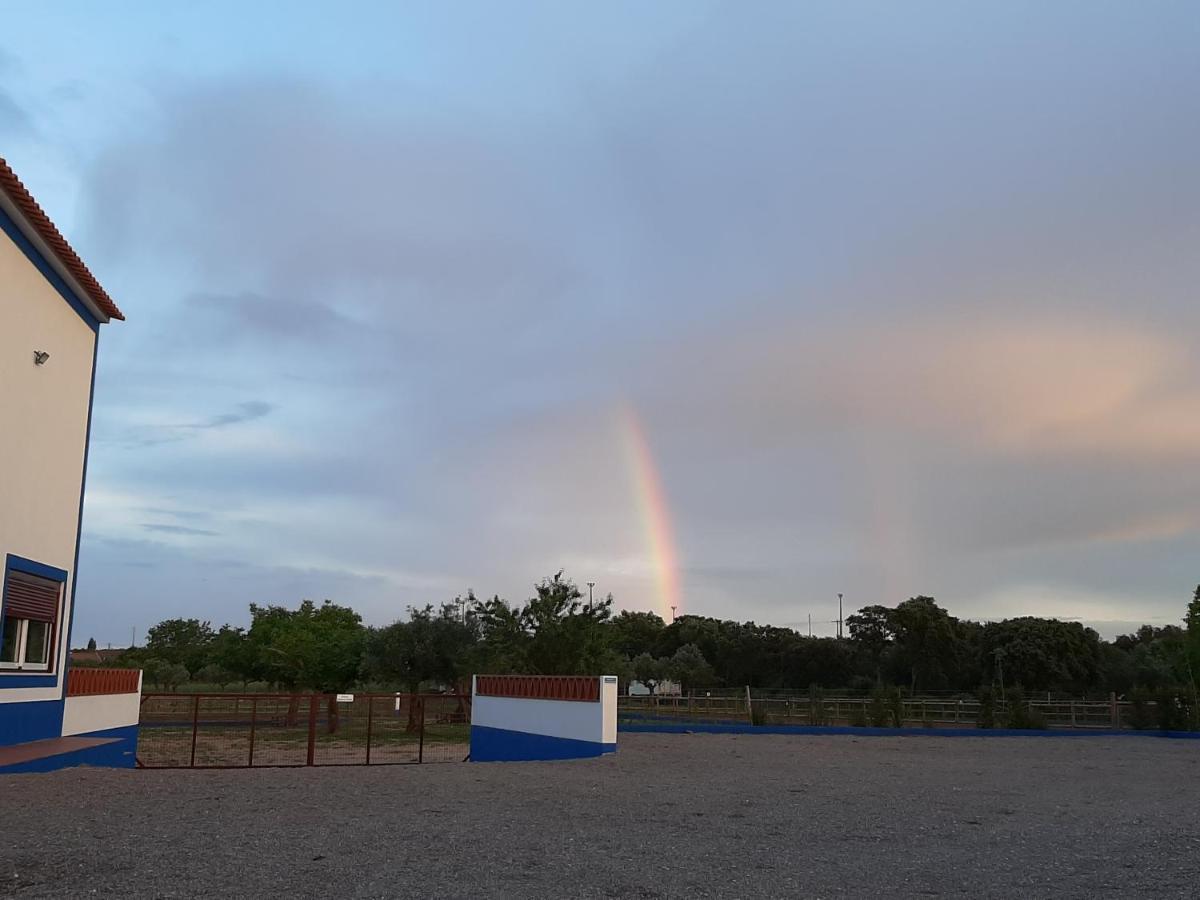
pixel 590 584
pixel 672 613
pixel 132 636
pixel 810 624
pixel 839 617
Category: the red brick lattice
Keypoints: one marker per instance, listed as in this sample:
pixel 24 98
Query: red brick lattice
pixel 91 682
pixel 584 688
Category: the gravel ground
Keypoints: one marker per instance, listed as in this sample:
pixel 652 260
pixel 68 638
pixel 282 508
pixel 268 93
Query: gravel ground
pixel 667 816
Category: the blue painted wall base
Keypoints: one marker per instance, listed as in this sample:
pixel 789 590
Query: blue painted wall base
pixel 501 745
pixel 121 754
pixel 710 728
pixel 30 721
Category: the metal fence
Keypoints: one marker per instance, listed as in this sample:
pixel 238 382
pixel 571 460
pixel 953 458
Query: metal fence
pixel 746 707
pixel 251 730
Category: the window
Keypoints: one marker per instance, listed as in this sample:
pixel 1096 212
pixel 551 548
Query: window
pixel 31 611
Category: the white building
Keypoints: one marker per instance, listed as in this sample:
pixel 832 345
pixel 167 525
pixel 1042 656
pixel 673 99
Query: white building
pixel 51 310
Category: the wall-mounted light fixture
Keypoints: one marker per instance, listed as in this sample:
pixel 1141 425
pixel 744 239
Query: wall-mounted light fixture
pixel 40 357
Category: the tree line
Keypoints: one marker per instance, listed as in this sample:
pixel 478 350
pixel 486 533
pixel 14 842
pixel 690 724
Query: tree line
pixel 915 646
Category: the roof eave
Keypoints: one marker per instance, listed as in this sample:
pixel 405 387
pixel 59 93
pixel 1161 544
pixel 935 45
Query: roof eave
pixel 23 209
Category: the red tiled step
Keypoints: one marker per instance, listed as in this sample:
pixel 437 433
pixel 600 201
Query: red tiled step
pixel 27 752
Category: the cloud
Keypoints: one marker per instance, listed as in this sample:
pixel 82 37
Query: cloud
pixel 178 529
pixel 245 412
pixel 15 121
pixel 888 332
pixel 154 434
pixel 1033 388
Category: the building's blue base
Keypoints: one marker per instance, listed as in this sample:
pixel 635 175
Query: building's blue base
pixel 501 745
pixel 24 721
pixel 711 728
pixel 120 754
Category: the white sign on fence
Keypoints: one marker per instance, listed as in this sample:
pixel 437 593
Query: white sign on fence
pixel 345 698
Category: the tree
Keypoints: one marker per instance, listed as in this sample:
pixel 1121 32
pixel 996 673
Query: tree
pixel 689 667
pixel 634 633
pixel 566 636
pixel 428 647
pixel 872 629
pixel 649 670
pixel 504 641
pixel 1191 655
pixel 555 633
pixel 927 640
pixel 182 641
pixel 91 644
pixel 314 647
pixel 232 651
pixel 1043 654
pixel 214 674
pixel 164 674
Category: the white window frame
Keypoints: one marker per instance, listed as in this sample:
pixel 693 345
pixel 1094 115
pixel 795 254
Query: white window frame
pixel 23 647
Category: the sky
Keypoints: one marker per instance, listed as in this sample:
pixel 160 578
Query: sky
pixel 732 307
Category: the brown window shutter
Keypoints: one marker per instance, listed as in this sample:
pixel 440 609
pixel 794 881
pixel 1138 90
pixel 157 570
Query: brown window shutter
pixel 30 597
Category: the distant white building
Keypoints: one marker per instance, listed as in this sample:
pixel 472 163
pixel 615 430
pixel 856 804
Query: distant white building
pixel 662 689
pixel 51 310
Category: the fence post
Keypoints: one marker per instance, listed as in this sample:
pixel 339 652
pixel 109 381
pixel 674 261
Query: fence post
pixel 253 720
pixel 195 727
pixel 421 730
pixel 370 711
pixel 749 706
pixel 312 729
pixel 1114 712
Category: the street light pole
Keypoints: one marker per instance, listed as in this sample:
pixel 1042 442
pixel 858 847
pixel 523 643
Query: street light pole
pixel 590 584
pixel 839 617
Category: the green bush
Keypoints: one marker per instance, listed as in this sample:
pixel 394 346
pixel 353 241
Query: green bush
pixel 1172 711
pixel 758 713
pixel 987 708
pixel 1141 716
pixel 897 708
pixel 1019 714
pixel 816 705
pixel 858 715
pixel 880 714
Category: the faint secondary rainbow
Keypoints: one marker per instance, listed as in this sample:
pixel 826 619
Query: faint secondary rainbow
pixel 655 515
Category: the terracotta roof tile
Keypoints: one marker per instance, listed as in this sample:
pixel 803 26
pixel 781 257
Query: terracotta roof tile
pixel 46 230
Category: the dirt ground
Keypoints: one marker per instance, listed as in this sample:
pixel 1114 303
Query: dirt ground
pixel 688 815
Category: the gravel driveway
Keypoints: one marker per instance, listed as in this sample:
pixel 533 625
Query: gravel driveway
pixel 667 816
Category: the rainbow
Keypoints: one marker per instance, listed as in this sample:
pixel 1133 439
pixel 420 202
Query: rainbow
pixel 656 518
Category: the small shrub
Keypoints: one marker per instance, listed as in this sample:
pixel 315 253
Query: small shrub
pixel 897 705
pixel 758 713
pixel 816 705
pixel 1020 714
pixel 879 713
pixel 858 715
pixel 1172 711
pixel 1140 716
pixel 987 708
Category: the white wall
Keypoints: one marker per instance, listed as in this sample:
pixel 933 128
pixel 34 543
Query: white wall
pixel 43 430
pixel 574 719
pixel 82 715
pixel 608 709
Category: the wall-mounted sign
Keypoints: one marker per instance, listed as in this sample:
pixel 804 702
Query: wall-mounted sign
pixel 345 698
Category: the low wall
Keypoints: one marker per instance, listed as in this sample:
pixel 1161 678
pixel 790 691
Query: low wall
pixel 530 717
pixel 84 715
pixel 718 728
